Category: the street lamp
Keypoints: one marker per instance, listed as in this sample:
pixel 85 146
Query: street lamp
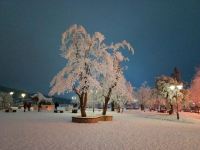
pixel 23 95
pixel 176 88
pixel 11 93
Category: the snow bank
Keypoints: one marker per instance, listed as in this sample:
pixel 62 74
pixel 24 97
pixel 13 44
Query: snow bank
pixel 46 130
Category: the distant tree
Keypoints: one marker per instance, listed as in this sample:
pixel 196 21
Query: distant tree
pixel 195 89
pixel 186 98
pixel 144 94
pixel 122 95
pixel 173 97
pixel 154 99
pixel 113 77
pixel 6 100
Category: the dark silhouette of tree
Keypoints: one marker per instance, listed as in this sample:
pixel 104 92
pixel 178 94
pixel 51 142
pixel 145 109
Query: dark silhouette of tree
pixel 176 75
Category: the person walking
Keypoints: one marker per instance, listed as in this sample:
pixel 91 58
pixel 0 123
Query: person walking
pixel 29 106
pixel 56 105
pixel 39 106
pixel 25 106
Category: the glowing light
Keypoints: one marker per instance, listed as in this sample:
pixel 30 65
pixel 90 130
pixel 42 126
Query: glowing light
pixel 11 93
pixel 180 86
pixel 73 97
pixel 172 87
pixel 23 95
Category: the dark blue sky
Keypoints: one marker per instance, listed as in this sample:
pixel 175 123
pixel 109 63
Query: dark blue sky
pixel 164 33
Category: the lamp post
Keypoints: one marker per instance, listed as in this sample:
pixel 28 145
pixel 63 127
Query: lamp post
pixel 92 92
pixel 23 95
pixel 11 93
pixel 176 89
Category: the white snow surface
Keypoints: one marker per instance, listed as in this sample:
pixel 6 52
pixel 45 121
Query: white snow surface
pixel 132 130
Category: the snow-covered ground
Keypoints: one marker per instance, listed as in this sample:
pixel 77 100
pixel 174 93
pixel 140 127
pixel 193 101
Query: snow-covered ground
pixel 132 130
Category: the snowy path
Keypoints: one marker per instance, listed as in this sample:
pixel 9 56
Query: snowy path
pixel 38 131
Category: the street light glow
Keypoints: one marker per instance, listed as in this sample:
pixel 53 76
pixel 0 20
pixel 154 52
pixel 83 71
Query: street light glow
pixel 176 88
pixel 11 93
pixel 180 86
pixel 172 87
pixel 23 95
pixel 73 97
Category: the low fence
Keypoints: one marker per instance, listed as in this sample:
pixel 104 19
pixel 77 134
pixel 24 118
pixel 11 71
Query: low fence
pixel 45 107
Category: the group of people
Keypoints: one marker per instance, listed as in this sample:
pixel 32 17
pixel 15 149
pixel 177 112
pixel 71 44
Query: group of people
pixel 27 105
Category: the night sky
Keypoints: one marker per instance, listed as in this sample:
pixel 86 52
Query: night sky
pixel 164 34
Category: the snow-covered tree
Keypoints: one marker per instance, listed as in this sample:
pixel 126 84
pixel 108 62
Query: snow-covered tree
pixel 173 97
pixel 113 77
pixel 89 62
pixel 122 94
pixel 195 88
pixel 186 98
pixel 144 94
pixel 153 99
pixel 6 100
pixel 79 75
pixel 112 69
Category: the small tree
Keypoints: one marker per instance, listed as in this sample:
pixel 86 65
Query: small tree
pixel 195 89
pixel 6 100
pixel 173 97
pixel 155 99
pixel 123 94
pixel 144 95
pixel 113 71
pixel 186 98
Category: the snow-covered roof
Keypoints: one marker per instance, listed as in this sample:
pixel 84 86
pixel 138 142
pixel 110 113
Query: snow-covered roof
pixel 41 97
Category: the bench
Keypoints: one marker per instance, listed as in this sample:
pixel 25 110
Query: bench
pixel 14 109
pixel 11 109
pixel 59 109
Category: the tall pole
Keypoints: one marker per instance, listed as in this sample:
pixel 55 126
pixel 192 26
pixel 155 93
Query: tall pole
pixel 93 105
pixel 177 113
pixel 176 89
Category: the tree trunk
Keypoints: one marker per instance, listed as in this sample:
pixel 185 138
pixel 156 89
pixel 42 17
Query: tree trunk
pixel 177 111
pixel 105 106
pixel 171 111
pixel 83 113
pixel 112 106
pixel 83 101
pixel 82 105
pixel 107 98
